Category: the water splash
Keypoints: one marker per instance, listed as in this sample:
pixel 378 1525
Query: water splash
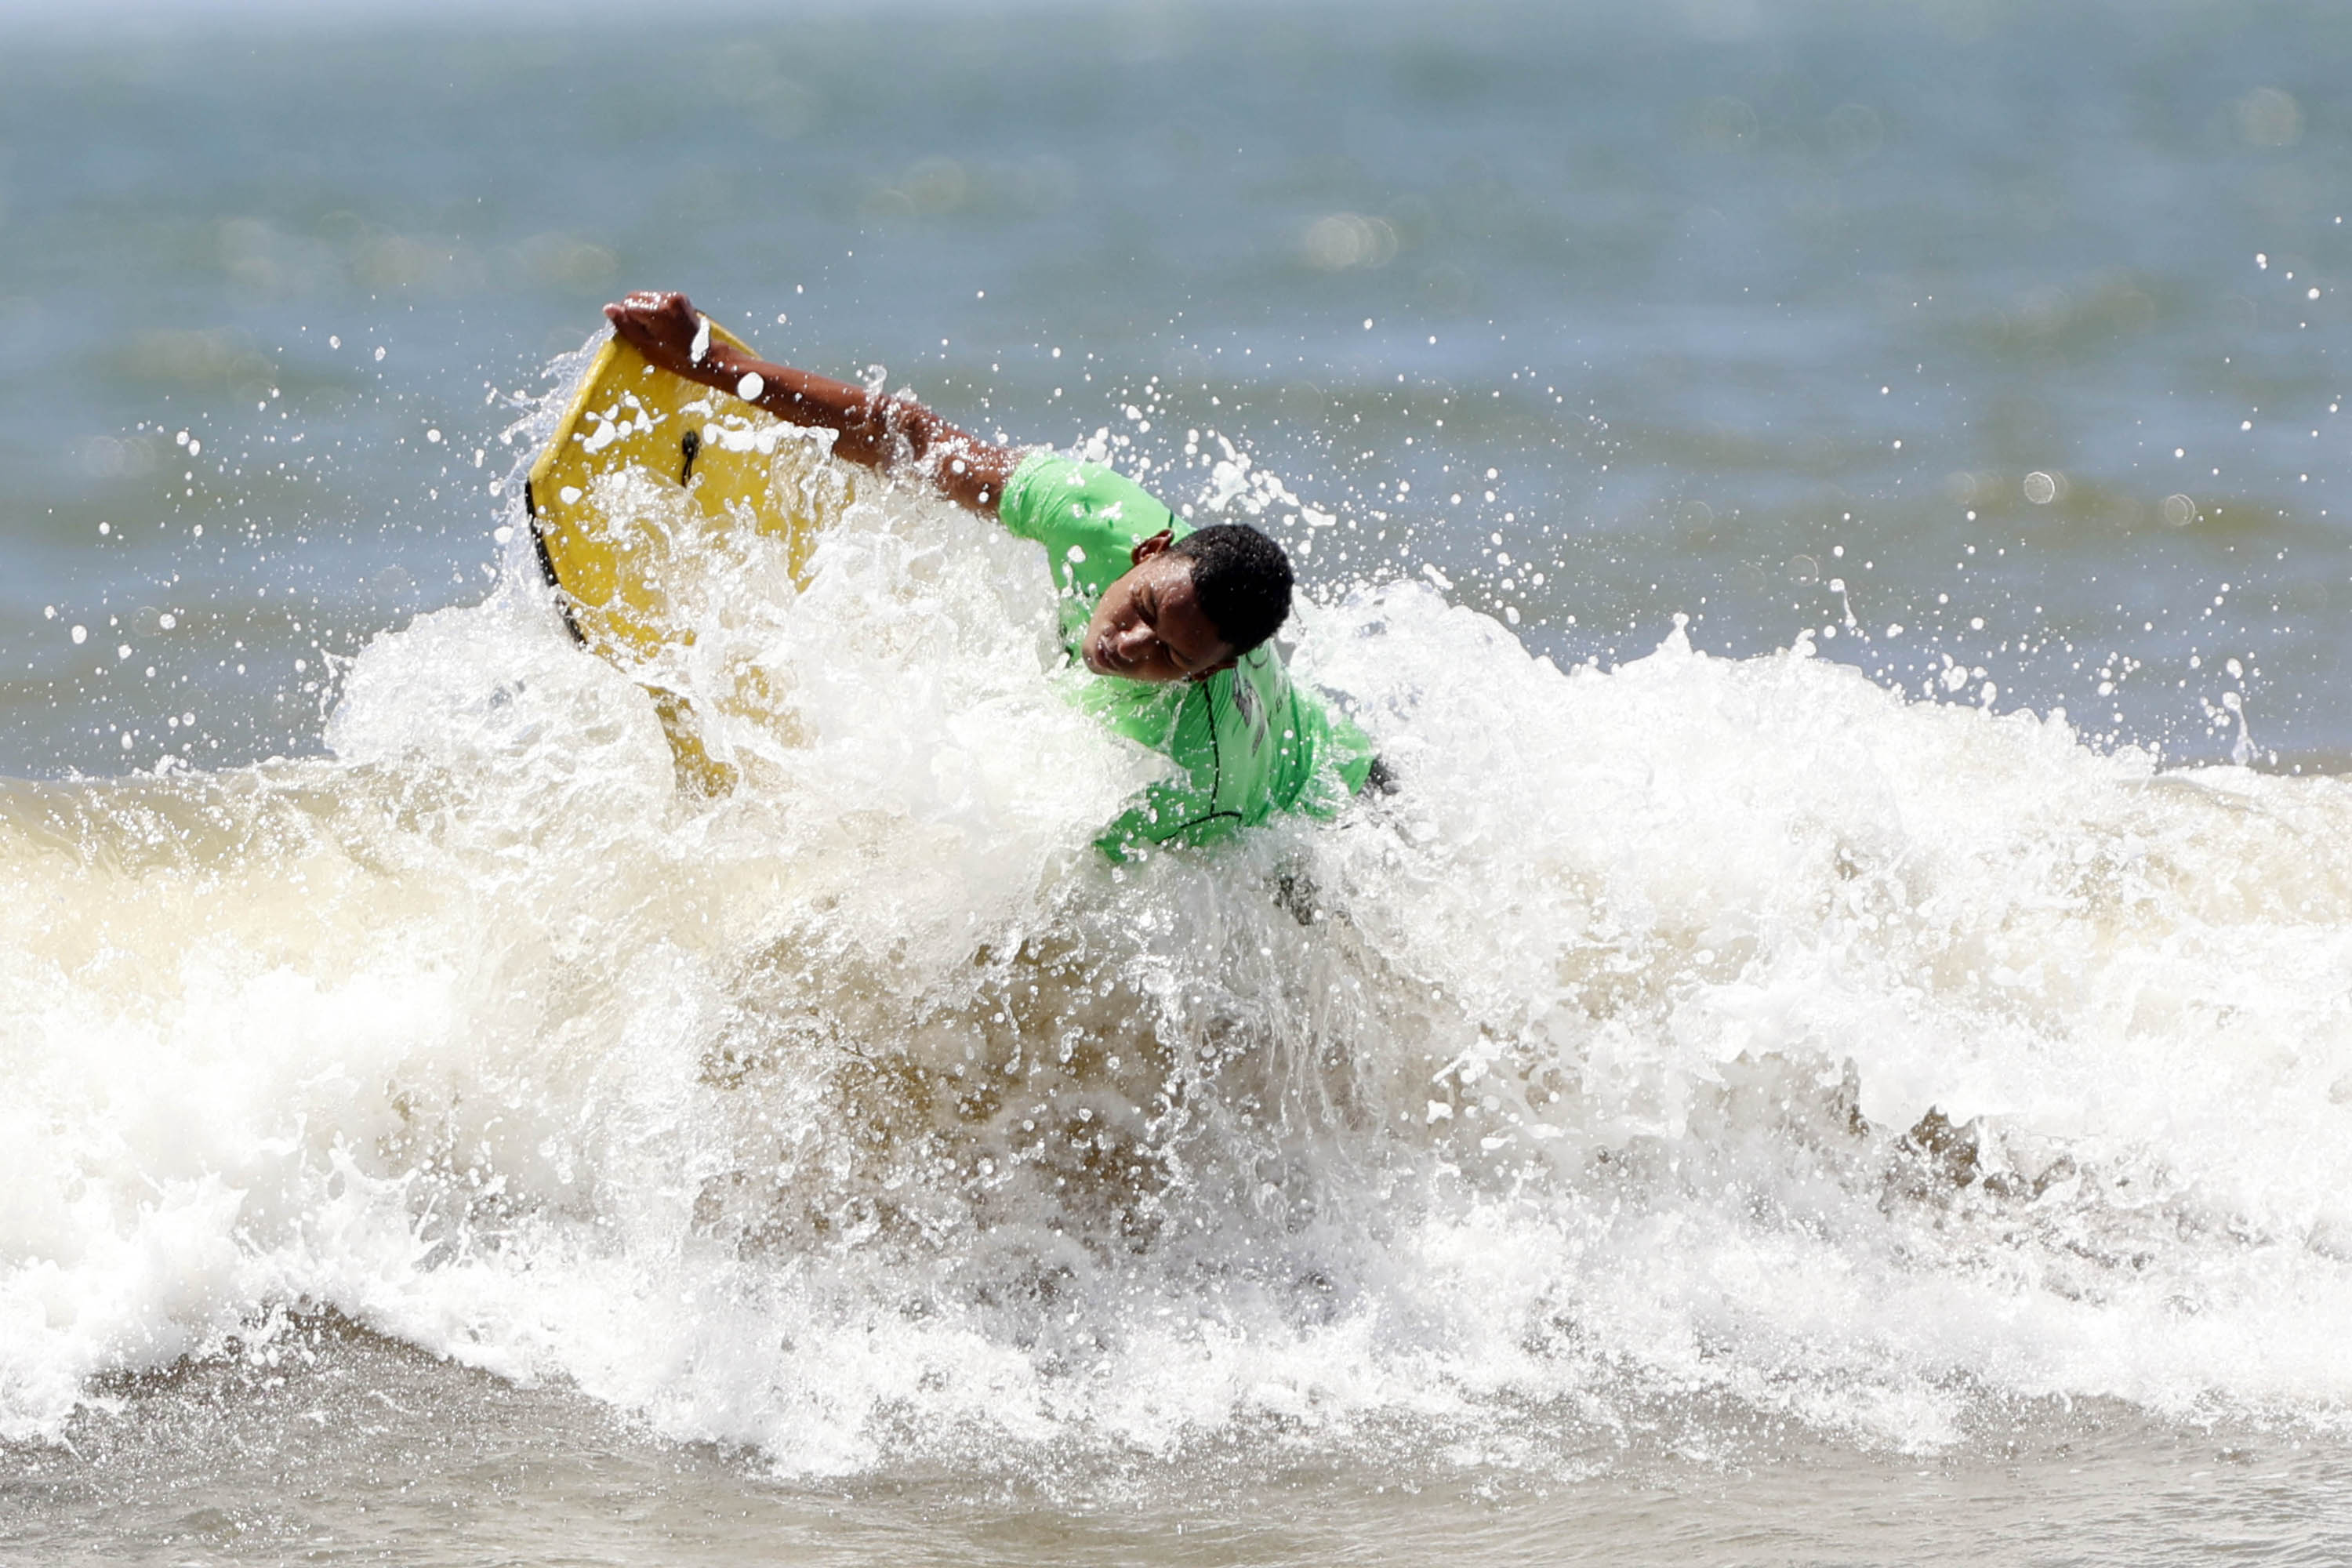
pixel 1698 1030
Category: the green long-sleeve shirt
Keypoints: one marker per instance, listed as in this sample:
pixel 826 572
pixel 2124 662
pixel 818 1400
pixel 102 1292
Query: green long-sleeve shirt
pixel 1246 741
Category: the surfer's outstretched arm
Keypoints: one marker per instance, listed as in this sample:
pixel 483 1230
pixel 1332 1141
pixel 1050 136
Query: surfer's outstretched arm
pixel 894 433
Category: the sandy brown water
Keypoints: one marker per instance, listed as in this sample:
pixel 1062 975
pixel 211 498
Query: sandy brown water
pixel 354 1449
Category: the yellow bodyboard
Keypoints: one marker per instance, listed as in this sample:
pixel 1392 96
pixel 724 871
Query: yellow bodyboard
pixel 647 481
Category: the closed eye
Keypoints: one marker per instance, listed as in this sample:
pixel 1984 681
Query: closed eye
pixel 1146 610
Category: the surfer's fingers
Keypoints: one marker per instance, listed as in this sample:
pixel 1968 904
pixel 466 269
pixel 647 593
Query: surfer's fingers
pixel 661 326
pixel 646 305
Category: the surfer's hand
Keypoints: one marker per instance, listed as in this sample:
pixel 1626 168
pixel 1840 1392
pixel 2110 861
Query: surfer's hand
pixel 662 327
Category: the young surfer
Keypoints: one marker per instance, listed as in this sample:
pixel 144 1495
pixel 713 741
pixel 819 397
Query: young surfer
pixel 1176 619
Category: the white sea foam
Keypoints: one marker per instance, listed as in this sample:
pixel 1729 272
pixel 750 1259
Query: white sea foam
pixel 1696 1029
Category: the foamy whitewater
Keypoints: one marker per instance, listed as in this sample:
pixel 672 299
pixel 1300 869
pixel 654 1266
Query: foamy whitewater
pixel 1696 1033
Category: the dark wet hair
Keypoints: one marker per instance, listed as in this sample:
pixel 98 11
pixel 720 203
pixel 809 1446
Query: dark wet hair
pixel 1242 579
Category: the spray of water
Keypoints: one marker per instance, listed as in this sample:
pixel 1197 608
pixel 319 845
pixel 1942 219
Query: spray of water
pixel 1696 1029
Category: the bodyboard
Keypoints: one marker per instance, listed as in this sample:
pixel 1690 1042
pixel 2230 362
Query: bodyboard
pixel 647 481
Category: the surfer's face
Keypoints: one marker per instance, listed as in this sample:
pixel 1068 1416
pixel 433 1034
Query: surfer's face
pixel 1150 624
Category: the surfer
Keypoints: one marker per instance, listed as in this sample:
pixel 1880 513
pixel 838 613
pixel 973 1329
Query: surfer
pixel 1176 619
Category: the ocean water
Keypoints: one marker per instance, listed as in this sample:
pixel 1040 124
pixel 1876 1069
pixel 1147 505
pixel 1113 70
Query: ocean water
pixel 1841 1051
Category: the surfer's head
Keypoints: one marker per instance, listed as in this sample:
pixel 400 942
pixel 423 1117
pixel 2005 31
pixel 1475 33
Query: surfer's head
pixel 1190 607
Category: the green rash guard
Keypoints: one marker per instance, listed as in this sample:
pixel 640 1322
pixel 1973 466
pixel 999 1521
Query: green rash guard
pixel 1247 742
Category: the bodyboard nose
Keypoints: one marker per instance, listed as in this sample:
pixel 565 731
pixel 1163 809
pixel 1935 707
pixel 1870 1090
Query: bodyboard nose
pixel 649 487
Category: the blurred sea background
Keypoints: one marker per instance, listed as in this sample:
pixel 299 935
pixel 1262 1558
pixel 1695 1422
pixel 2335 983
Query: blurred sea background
pixel 1837 508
